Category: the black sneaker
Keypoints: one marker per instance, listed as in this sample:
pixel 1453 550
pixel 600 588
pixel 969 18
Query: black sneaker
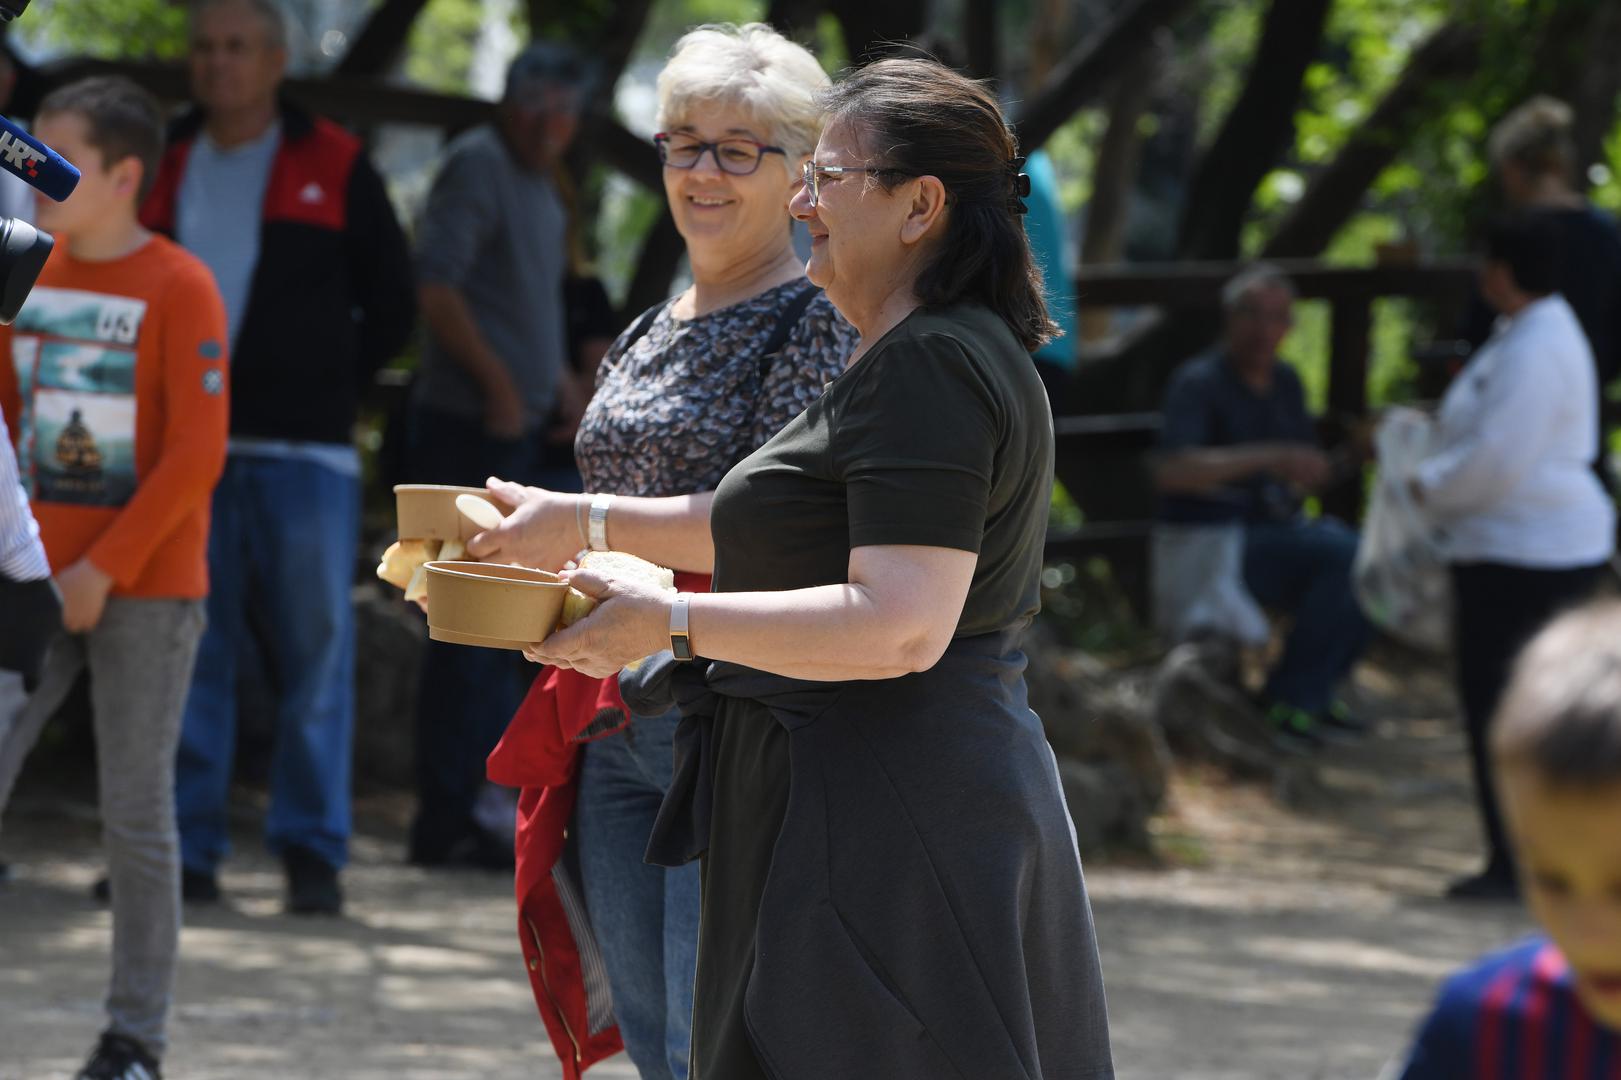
pixel 196 887
pixel 312 884
pixel 477 849
pixel 117 1057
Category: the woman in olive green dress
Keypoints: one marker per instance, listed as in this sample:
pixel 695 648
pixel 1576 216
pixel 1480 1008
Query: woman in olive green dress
pixel 891 886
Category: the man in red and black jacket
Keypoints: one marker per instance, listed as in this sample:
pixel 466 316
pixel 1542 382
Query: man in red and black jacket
pixel 296 225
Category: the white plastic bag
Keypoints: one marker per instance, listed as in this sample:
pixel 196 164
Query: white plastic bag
pixel 1199 584
pixel 1401 577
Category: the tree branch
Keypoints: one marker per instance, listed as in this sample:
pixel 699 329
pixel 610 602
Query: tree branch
pixel 381 39
pixel 1255 133
pixel 1336 192
pixel 1087 71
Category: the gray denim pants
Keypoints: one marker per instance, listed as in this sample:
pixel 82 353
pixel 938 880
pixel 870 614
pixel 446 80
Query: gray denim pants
pixel 140 657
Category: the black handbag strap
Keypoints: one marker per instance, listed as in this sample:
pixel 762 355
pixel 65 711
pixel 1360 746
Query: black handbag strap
pixel 643 323
pixel 787 320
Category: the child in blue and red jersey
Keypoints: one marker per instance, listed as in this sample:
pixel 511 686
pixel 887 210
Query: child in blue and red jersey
pixel 1550 1008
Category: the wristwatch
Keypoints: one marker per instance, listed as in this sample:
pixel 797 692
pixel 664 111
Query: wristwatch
pixel 680 643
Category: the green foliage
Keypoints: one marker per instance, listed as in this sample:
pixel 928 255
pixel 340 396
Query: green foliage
pixel 1073 150
pixel 108 29
pixel 668 21
pixel 439 53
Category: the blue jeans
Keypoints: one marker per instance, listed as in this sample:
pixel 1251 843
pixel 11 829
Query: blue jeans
pixel 1304 568
pixel 281 546
pixel 645 917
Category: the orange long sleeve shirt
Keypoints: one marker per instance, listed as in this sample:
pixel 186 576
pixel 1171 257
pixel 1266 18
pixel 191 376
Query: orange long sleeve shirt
pixel 116 394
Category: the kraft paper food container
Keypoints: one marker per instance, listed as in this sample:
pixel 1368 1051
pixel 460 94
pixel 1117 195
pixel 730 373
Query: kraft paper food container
pixel 428 512
pixel 498 607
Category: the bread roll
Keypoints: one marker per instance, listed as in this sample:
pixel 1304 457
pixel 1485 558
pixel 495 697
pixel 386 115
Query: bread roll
pixel 403 558
pixel 577 605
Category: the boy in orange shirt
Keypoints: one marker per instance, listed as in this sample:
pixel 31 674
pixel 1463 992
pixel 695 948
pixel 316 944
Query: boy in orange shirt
pixel 113 377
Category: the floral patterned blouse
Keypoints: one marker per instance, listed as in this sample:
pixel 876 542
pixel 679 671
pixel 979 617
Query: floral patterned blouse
pixel 676 409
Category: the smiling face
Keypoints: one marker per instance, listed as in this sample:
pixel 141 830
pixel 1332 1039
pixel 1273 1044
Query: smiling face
pixel 1569 850
pixel 725 218
pixel 865 238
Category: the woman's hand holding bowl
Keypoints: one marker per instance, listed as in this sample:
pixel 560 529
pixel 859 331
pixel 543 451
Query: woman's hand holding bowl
pixel 541 528
pixel 631 622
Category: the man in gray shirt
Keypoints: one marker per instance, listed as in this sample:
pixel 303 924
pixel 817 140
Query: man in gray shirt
pixel 495 381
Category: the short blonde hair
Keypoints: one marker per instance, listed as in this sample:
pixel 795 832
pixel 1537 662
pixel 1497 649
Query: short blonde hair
pixel 752 66
pixel 1536 137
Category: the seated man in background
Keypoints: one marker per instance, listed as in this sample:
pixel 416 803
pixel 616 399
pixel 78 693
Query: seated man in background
pixel 1238 454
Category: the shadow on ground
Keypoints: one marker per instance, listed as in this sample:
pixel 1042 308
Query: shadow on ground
pixel 1294 934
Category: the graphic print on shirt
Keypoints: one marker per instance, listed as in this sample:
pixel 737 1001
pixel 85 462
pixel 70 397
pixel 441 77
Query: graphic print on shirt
pixel 75 357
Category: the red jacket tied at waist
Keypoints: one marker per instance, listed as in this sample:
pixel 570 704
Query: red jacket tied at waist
pixel 539 754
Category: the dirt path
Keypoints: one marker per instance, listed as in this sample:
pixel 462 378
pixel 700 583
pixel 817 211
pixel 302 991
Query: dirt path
pixel 1290 943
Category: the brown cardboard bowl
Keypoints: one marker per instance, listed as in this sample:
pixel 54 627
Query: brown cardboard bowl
pixel 498 607
pixel 428 512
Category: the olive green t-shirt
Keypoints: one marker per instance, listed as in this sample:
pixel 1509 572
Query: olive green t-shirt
pixel 939 436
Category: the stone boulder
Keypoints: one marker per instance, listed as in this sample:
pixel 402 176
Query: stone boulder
pixel 1112 757
pixel 389 640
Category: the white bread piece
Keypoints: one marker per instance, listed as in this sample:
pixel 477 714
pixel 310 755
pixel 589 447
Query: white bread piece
pixel 403 558
pixel 417 588
pixel 452 551
pixel 577 605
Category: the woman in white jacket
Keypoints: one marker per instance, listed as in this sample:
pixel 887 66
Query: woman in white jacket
pixel 1526 524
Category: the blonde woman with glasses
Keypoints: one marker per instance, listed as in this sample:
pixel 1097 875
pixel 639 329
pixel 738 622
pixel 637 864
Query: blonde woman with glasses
pixel 693 387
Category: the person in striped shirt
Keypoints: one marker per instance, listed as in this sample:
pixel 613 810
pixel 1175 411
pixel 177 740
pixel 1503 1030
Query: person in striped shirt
pixel 1550 1007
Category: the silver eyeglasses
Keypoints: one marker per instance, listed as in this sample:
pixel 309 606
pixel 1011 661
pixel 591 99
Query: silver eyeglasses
pixel 740 157
pixel 813 174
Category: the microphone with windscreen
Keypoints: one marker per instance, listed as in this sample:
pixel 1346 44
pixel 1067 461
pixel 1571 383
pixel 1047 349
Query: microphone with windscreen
pixel 36 164
pixel 23 248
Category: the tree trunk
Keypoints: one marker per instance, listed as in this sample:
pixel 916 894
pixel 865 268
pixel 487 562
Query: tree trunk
pixel 1579 31
pixel 868 25
pixel 381 39
pixel 1336 192
pixel 1088 70
pixel 1119 154
pixel 1047 28
pixel 795 18
pixel 1255 134
pixel 980 32
pixel 662 249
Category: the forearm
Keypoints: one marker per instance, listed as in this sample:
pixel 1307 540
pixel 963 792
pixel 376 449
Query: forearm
pixel 828 633
pixel 672 532
pixel 1193 472
pixel 452 326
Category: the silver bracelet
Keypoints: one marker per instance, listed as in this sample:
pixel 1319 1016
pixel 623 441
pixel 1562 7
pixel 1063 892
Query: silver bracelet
pixel 597 537
pixel 579 520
